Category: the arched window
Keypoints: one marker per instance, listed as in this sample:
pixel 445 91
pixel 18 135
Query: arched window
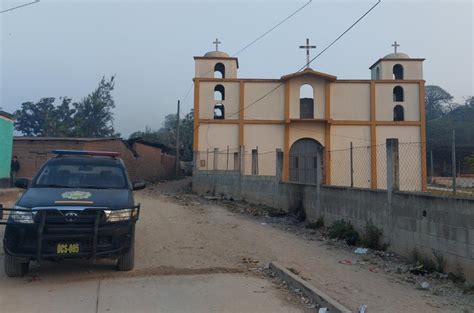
pixel 397 71
pixel 398 94
pixel 306 102
pixel 219 111
pixel 398 113
pixel 219 70
pixel 219 93
pixel 377 73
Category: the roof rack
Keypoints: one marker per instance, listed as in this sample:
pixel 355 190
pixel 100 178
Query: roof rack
pixel 61 152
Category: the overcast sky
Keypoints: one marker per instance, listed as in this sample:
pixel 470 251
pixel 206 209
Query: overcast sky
pixel 62 48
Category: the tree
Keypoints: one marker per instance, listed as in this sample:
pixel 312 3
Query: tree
pixel 167 134
pixel 437 101
pixel 94 116
pixel 44 118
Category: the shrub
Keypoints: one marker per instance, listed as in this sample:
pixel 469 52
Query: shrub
pixel 316 225
pixel 440 261
pixel 372 236
pixel 343 230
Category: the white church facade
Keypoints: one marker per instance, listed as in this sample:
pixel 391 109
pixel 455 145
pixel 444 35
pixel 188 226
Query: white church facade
pixel 311 113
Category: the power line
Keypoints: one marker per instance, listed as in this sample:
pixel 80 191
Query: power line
pixel 319 54
pixel 255 40
pixel 20 6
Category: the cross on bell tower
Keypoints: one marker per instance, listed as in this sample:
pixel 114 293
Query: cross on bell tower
pixel 217 42
pixel 395 45
pixel 307 47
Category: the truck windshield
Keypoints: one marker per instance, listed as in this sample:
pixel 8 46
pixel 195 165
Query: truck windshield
pixel 81 174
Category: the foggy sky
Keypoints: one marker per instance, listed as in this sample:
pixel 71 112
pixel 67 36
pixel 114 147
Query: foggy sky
pixel 63 48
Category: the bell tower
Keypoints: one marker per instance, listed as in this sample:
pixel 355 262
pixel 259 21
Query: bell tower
pixel 216 64
pixel 397 66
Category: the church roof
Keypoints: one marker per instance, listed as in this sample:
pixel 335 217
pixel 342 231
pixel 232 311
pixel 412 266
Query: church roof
pixel 216 54
pixel 398 55
pixel 309 71
pixel 7 115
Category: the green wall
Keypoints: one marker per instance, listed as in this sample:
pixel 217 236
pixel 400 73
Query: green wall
pixel 6 146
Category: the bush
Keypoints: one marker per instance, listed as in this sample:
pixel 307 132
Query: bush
pixel 316 225
pixel 372 236
pixel 343 230
pixel 423 263
pixel 440 261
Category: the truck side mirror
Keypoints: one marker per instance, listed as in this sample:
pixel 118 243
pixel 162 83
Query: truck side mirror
pixel 138 185
pixel 22 183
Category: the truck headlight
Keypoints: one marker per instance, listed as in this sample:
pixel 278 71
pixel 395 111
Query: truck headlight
pixel 120 215
pixel 24 217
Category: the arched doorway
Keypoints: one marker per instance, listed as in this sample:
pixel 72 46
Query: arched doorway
pixel 304 154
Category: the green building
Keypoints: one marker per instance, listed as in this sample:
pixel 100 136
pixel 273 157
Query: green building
pixel 6 147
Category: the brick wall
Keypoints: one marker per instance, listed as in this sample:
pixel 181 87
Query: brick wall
pixel 143 162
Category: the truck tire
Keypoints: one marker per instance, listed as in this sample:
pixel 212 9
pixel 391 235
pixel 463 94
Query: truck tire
pixel 127 261
pixel 15 268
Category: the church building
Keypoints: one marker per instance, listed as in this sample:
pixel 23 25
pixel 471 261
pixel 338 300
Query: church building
pixel 312 117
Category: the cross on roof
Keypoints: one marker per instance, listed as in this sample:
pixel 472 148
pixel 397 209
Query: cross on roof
pixel 307 47
pixel 217 42
pixel 395 45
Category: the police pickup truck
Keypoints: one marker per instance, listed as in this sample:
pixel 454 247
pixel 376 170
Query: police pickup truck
pixel 79 205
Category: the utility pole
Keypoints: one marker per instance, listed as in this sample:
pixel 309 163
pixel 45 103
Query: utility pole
pixel 177 142
pixel 453 149
pixel 352 166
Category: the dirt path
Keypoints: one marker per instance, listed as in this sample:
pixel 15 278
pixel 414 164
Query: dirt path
pixel 181 234
pixel 194 231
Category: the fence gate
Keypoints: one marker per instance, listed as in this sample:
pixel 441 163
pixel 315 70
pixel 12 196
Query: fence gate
pixel 303 160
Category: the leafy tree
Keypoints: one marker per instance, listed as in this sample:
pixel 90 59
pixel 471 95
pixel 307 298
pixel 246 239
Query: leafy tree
pixel 437 101
pixel 94 116
pixel 167 134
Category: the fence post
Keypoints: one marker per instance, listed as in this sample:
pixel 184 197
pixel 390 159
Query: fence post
pixel 196 162
pixel 393 175
pixel 352 166
pixel 214 161
pixel 207 159
pixel 453 166
pixel 431 167
pixel 319 176
pixel 227 166
pixel 242 160
pixel 279 165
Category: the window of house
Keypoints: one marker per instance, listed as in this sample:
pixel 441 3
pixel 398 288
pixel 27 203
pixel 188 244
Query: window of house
pixel 377 73
pixel 219 93
pixel 398 94
pixel 236 161
pixel 306 102
pixel 219 111
pixel 397 71
pixel 398 113
pixel 219 70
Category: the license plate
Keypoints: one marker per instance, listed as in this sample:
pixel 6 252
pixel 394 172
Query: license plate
pixel 67 248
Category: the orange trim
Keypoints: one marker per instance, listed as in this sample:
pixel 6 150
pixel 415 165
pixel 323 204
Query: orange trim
pixel 264 122
pixel 373 138
pixel 241 112
pixel 311 72
pixel 349 122
pixel 308 120
pixel 401 123
pixel 424 175
pixel 237 121
pixel 286 142
pixel 236 80
pixel 327 134
pixel 379 81
pixel 212 121
pixel 196 116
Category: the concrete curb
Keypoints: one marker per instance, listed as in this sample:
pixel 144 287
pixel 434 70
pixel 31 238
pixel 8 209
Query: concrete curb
pixel 309 290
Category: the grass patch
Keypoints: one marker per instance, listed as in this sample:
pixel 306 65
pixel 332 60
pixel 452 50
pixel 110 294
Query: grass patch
pixel 372 237
pixel 316 225
pixel 343 230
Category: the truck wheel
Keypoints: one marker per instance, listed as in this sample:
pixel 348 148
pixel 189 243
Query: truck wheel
pixel 127 261
pixel 15 268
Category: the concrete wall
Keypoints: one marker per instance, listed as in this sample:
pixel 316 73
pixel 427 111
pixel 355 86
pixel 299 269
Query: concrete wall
pixel 143 162
pixel 408 220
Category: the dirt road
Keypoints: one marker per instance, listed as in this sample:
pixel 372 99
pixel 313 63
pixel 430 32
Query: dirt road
pixel 186 235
